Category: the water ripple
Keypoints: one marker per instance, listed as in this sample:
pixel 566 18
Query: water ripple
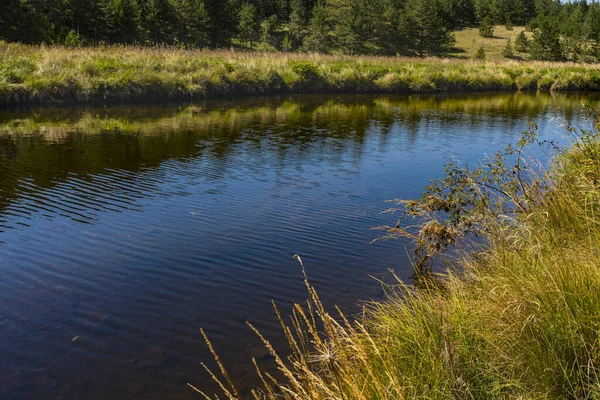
pixel 112 259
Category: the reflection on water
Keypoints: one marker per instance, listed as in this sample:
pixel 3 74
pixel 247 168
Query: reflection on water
pixel 125 230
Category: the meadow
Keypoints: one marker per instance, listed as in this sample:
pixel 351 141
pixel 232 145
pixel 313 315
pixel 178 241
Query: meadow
pixel 514 316
pixel 53 75
pixel 468 41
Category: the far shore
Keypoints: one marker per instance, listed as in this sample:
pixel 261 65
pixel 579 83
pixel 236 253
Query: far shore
pixel 127 74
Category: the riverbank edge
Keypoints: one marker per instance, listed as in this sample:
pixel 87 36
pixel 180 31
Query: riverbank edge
pixel 31 75
pixel 517 319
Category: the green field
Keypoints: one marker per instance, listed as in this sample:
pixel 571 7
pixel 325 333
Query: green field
pixel 49 75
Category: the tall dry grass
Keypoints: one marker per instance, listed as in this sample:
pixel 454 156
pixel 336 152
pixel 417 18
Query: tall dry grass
pixel 517 319
pixel 50 74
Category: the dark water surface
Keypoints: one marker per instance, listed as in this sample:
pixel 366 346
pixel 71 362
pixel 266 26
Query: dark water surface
pixel 124 230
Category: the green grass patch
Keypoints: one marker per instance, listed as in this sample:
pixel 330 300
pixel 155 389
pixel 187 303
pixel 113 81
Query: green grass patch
pixel 42 74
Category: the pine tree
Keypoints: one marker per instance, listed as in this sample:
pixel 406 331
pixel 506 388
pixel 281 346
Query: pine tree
pixel 222 15
pixel 296 27
pixel 53 15
pixel 267 27
pixel 20 21
pixel 462 13
pixel 356 31
pixel 425 29
pixel 526 11
pixel 504 10
pixel 480 54
pixel 158 20
pixel 545 45
pixel 193 22
pixel 484 9
pixel 591 24
pixel 547 8
pixel 392 40
pixel 486 28
pixel 573 29
pixel 85 18
pixel 123 17
pixel 509 25
pixel 287 45
pixel 508 50
pixel 247 26
pixel 521 42
pixel 572 17
pixel 318 38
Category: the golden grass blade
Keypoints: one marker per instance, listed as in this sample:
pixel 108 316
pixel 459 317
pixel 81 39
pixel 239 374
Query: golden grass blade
pixel 219 363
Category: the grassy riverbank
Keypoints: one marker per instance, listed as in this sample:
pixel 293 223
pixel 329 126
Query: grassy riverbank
pixel 32 74
pixel 517 320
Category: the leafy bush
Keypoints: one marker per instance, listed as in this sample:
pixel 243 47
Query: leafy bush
pixel 73 39
pixel 306 70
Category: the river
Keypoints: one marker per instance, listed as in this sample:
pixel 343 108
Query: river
pixel 124 230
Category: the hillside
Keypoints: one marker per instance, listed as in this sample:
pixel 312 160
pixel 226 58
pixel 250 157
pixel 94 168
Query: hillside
pixel 468 41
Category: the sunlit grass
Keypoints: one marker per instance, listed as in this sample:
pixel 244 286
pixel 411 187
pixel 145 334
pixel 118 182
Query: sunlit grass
pixel 34 74
pixel 468 41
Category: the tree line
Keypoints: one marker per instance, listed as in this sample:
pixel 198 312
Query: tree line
pixel 377 27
